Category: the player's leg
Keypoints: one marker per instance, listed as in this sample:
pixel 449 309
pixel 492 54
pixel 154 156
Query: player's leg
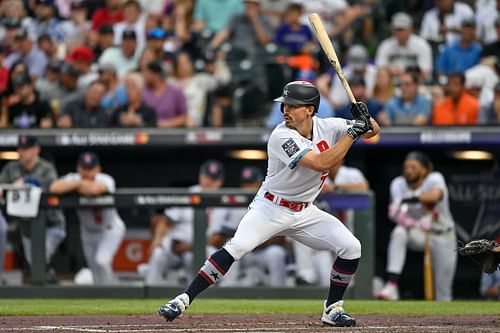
pixel 89 247
pixel 53 238
pixel 322 231
pixel 158 262
pixel 444 261
pixel 305 272
pixel 261 222
pixel 106 251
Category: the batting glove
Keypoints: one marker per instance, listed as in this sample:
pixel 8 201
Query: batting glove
pixel 360 126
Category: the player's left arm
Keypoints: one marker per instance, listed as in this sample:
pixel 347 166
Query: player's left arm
pixel 375 129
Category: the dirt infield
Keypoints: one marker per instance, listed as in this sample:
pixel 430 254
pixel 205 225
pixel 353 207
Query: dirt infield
pixel 243 323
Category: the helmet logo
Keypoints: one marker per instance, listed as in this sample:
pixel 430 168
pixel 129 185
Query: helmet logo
pixel 286 92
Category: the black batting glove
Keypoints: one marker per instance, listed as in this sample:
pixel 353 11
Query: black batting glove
pixel 360 110
pixel 360 126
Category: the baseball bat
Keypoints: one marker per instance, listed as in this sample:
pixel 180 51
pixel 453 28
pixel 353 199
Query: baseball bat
pixel 428 282
pixel 327 46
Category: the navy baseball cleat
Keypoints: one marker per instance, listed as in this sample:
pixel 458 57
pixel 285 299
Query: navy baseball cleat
pixel 174 308
pixel 334 315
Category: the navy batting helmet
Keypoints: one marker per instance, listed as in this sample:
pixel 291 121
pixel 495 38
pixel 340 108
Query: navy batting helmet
pixel 300 93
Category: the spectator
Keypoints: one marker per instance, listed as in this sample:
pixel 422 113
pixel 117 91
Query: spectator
pixel 116 94
pixel 480 82
pixel 86 112
pixel 294 36
pixel 77 27
pixel 37 171
pixel 101 230
pixel 358 87
pixel 247 31
pixel 415 9
pixel 442 23
pixel 173 230
pixel 404 49
pixel 104 40
pixel 167 100
pixel 459 108
pixel 52 50
pixel 148 55
pixel 357 65
pixel 214 16
pixel 49 87
pixel 490 285
pixel 420 208
pixel 69 84
pixel 493 49
pixel 28 53
pixel 411 107
pixel 132 20
pixel 29 111
pixel 491 114
pixel 125 57
pixel 384 88
pixel 4 71
pixel 82 58
pixel 156 39
pixel 46 22
pixel 8 31
pixel 197 86
pixel 135 113
pixel 110 14
pixel 463 54
pixel 488 18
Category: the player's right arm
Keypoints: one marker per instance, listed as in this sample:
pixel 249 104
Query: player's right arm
pixel 330 158
pixel 65 184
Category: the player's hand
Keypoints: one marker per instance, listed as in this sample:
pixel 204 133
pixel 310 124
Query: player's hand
pixel 360 126
pixel 360 110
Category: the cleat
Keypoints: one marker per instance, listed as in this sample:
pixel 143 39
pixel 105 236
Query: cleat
pixel 334 315
pixel 389 293
pixel 174 308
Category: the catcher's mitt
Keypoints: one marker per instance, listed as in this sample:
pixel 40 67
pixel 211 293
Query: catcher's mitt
pixel 485 253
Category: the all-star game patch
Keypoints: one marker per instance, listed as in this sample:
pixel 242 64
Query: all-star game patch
pixel 290 147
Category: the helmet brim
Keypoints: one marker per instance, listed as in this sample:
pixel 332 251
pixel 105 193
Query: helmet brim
pixel 289 100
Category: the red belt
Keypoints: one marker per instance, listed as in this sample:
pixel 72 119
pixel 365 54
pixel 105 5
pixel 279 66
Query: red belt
pixel 295 206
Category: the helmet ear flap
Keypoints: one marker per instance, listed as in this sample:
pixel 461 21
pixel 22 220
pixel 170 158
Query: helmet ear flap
pixel 282 108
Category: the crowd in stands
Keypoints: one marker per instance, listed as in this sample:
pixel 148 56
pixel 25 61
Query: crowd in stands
pixel 205 63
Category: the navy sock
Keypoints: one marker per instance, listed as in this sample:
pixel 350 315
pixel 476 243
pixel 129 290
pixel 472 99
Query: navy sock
pixel 393 277
pixel 342 272
pixel 215 267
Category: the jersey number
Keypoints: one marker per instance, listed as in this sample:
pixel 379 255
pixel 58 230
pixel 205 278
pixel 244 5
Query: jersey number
pixel 322 146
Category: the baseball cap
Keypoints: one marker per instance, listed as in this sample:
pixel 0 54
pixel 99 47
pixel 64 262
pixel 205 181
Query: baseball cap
pixel 469 21
pixel 81 53
pixel 213 169
pixel 68 68
pixel 129 34
pixel 357 80
pixel 88 160
pixel 401 21
pixel 156 33
pixel 54 65
pixel 251 174
pixel 11 23
pixel 27 141
pixel 156 67
pixel 106 29
pixel 21 80
pixel 357 56
pixel 22 34
pixel 106 67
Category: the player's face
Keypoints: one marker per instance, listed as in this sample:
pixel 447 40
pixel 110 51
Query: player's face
pixel 209 183
pixel 28 155
pixel 413 171
pixel 296 115
pixel 88 173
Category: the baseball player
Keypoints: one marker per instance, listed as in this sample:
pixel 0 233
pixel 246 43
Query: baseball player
pixel 419 204
pixel 173 230
pixel 301 150
pixel 311 265
pixel 101 230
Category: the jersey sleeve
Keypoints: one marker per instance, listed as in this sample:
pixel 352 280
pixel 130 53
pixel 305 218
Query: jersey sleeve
pixel 395 189
pixel 108 181
pixel 71 177
pixel 288 147
pixel 436 180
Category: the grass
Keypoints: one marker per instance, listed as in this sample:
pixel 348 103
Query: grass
pixel 33 307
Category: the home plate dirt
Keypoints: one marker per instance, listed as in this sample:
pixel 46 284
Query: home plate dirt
pixel 244 323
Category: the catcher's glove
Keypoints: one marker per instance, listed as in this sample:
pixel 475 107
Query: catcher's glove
pixel 485 253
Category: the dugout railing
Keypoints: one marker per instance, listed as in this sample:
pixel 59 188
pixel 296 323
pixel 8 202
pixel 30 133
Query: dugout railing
pixel 364 223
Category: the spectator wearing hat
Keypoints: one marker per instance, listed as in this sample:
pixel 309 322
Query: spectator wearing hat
pixel 49 86
pixel 82 58
pixel 155 41
pixel 101 230
pixel 492 50
pixel 125 57
pixel 133 19
pixel 76 28
pixel 34 170
pixel 46 22
pixel 411 107
pixel 166 99
pixel 357 65
pixel 27 52
pixel 197 86
pixel 441 24
pixel 358 87
pixel 463 54
pixel 135 113
pixel 103 40
pixel 86 112
pixel 110 14
pixel 116 94
pixel 171 246
pixel 69 84
pixel 404 49
pixel 29 111
pixel 459 107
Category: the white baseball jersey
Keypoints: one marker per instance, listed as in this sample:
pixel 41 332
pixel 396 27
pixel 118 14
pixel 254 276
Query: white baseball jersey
pixel 97 220
pixel 285 177
pixel 347 175
pixel 183 219
pixel 441 215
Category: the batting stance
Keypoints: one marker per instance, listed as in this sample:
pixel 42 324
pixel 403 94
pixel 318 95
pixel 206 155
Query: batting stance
pixel 301 150
pixel 101 230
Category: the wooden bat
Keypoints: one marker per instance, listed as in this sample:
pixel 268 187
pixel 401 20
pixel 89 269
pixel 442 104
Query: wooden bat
pixel 327 46
pixel 428 282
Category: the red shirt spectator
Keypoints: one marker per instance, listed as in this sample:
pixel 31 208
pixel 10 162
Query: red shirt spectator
pixel 110 14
